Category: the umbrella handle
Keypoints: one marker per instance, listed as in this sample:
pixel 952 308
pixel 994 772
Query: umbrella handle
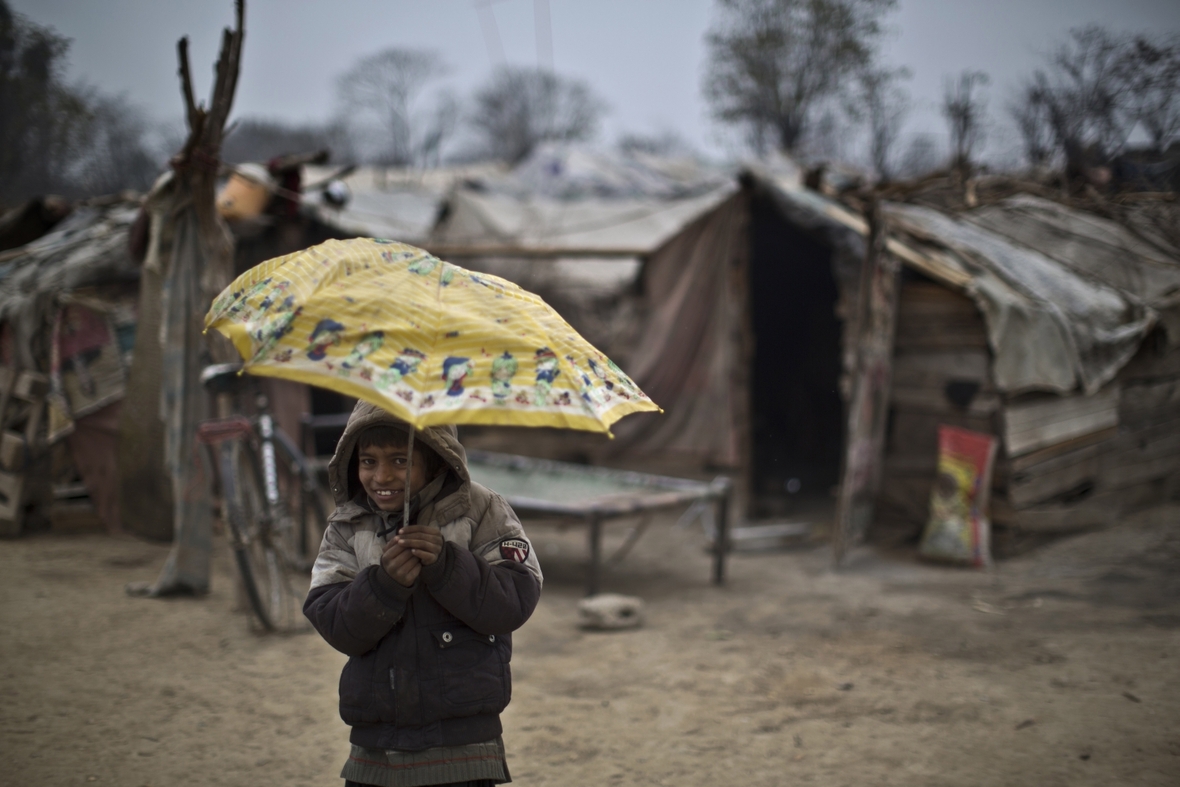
pixel 409 475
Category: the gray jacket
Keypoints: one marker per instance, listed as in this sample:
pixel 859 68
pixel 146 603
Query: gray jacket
pixel 428 664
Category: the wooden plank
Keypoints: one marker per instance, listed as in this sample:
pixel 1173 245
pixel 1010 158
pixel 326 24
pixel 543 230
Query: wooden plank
pixel 935 296
pixel 1132 472
pixel 933 265
pixel 31 386
pixel 33 424
pixel 1116 463
pixel 1145 420
pixel 1033 458
pixel 868 406
pixel 942 337
pixel 1152 363
pixel 934 400
pixel 12 451
pixel 931 315
pixel 935 368
pixel 1096 512
pixel 1150 395
pixel 1049 420
pixel 1143 461
pixel 1083 468
pixel 925 464
pixel 906 498
pixel 916 432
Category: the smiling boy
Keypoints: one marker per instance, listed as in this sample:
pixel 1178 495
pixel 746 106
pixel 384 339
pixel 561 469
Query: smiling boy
pixel 424 610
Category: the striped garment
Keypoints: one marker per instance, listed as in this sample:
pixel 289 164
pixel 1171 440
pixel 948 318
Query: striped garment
pixel 443 765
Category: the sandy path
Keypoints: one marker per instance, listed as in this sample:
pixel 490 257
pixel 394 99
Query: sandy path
pixel 1058 668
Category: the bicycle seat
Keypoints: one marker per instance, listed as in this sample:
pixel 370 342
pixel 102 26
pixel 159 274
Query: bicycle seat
pixel 223 378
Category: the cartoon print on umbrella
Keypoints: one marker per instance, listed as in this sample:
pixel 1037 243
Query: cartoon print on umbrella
pixel 424 266
pixel 231 303
pixel 600 373
pixel 503 368
pixel 590 395
pixel 626 381
pixel 278 291
pixel 368 345
pixel 275 329
pixel 455 371
pixel 327 333
pixel 547 371
pixel 404 365
pixel 390 256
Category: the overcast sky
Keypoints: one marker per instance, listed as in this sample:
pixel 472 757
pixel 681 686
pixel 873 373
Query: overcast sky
pixel 644 57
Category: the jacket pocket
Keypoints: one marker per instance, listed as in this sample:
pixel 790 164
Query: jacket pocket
pixel 357 695
pixel 471 669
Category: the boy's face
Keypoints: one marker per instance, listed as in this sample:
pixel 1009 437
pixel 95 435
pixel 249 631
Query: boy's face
pixel 382 470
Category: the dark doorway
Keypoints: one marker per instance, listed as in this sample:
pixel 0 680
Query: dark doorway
pixel 797 415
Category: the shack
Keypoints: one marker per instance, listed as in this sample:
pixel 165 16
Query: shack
pixel 1047 324
pixel 67 327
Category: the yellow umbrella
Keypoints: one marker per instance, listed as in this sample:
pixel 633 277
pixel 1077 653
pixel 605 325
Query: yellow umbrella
pixel 427 340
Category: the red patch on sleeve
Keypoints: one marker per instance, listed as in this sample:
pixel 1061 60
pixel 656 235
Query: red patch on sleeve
pixel 515 550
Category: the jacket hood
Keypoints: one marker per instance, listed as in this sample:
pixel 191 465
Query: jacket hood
pixel 443 440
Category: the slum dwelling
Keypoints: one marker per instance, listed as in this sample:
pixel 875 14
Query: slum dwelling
pixel 1047 323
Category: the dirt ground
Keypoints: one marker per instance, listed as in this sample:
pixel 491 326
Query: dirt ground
pixel 1061 667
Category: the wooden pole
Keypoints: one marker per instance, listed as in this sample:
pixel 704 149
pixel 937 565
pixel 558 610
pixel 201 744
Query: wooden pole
pixel 876 318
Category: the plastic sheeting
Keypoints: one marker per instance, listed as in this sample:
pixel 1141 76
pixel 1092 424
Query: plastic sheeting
pixel 1095 248
pixel 389 203
pixel 641 225
pixel 567 172
pixel 1049 326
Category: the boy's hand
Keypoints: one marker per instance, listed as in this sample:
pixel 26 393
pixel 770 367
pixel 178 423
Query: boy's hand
pixel 400 564
pixel 423 541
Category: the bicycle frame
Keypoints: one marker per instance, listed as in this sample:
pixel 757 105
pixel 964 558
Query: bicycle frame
pixel 270 441
pixel 268 542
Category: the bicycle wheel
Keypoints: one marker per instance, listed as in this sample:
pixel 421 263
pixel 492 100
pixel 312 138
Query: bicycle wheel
pixel 304 529
pixel 249 527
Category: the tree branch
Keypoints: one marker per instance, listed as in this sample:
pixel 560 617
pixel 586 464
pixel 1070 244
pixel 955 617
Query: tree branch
pixel 186 81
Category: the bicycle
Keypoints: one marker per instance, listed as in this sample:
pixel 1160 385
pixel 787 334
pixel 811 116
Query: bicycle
pixel 269 542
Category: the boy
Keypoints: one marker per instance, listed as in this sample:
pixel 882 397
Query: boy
pixel 424 611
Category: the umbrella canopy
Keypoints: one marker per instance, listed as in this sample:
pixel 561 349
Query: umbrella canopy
pixel 427 340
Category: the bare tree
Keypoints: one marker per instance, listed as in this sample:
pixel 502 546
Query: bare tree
pixel 520 108
pixel 58 138
pixel 773 63
pixel 40 119
pixel 923 155
pixel 385 88
pixel 1031 115
pixel 1092 91
pixel 439 126
pixel 964 110
pixel 114 154
pixel 1150 70
pixel 882 104
pixel 1082 93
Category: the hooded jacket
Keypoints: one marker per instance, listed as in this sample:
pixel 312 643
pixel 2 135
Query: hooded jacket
pixel 428 664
